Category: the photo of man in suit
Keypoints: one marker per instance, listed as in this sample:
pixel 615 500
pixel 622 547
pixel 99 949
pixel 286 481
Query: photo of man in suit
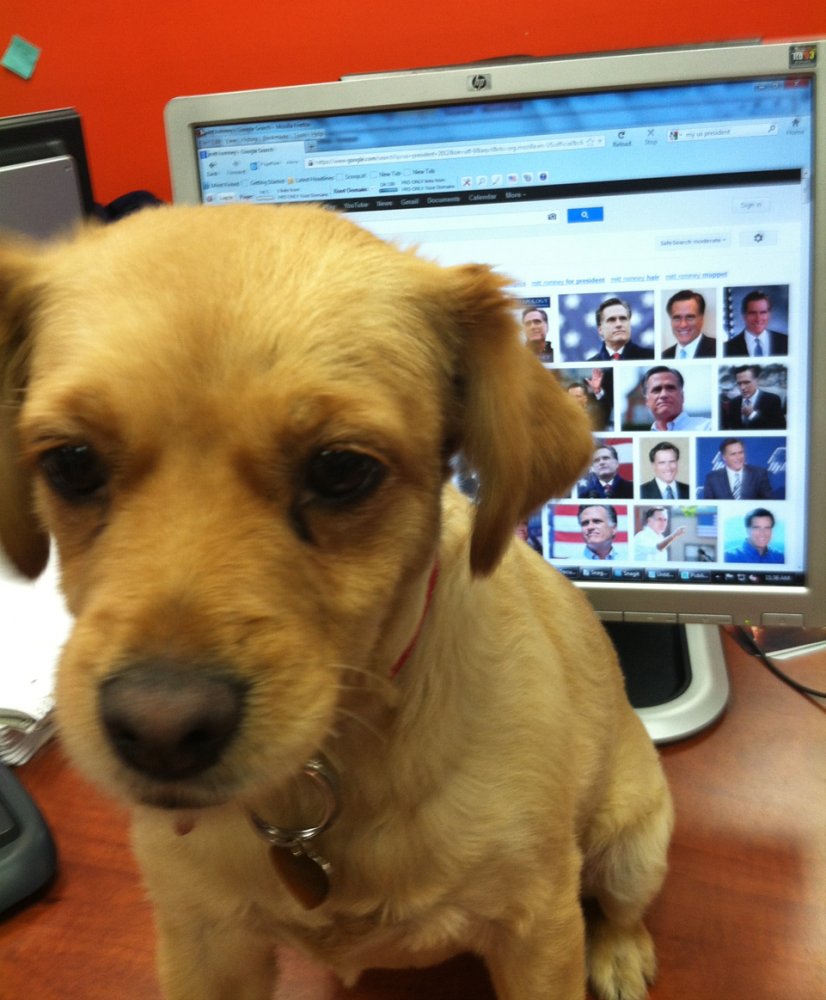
pixel 738 480
pixel 603 480
pixel 665 459
pixel 686 313
pixel 756 340
pixel 755 408
pixel 535 322
pixel 614 326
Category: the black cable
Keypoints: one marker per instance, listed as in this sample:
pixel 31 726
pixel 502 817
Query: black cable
pixel 758 652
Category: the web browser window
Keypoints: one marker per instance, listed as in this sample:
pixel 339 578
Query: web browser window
pixel 658 242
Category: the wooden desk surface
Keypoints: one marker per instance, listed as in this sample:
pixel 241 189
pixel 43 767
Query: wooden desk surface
pixel 742 915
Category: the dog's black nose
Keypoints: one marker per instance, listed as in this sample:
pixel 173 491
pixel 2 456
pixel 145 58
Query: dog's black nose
pixel 170 723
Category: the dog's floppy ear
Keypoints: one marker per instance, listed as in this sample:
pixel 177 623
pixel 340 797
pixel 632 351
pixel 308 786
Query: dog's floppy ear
pixel 520 431
pixel 21 534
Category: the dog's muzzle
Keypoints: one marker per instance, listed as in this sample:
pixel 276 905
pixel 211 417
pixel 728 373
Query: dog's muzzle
pixel 171 722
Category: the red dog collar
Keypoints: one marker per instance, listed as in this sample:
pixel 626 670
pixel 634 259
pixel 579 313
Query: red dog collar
pixel 431 586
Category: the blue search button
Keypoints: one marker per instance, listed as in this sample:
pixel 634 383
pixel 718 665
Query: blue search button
pixel 585 215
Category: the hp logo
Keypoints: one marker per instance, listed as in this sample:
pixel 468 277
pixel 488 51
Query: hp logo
pixel 479 81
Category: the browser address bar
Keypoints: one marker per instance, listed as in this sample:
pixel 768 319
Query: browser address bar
pixel 538 145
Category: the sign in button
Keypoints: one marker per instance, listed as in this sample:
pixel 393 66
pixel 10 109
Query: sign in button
pixel 743 205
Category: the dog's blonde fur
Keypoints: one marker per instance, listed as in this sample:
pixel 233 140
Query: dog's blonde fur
pixel 205 356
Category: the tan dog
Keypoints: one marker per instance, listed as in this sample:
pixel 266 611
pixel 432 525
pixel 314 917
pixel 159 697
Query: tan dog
pixel 236 423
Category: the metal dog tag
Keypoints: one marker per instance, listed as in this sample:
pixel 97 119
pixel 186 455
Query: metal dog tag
pixel 303 872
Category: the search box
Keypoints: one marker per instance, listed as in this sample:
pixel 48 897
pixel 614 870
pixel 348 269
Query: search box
pixel 441 223
pixel 721 130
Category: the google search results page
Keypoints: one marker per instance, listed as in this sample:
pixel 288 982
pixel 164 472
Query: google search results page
pixel 658 246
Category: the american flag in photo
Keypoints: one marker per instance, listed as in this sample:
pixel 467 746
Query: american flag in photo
pixel 625 454
pixel 777 461
pixel 707 523
pixel 548 531
pixel 563 529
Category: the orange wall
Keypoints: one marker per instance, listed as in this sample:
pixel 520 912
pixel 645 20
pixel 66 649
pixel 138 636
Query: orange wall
pixel 119 62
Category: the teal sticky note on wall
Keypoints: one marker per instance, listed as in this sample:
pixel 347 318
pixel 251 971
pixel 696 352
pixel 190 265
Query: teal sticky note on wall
pixel 20 57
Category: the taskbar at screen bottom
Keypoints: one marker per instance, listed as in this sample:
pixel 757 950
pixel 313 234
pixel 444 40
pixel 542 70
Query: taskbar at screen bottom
pixel 643 574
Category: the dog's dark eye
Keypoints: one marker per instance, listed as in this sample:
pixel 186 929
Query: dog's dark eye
pixel 344 475
pixel 74 472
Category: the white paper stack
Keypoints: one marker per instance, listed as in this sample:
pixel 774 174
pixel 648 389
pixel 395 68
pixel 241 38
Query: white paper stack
pixel 34 625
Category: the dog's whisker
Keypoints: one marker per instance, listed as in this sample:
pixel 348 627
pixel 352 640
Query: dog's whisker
pixel 361 671
pixel 381 684
pixel 369 727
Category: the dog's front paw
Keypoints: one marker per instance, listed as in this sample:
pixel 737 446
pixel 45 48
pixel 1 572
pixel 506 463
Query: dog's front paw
pixel 621 961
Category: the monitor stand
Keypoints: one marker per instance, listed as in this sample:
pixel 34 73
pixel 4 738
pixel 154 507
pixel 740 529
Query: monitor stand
pixel 675 675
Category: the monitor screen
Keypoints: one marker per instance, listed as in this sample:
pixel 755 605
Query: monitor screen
pixel 656 214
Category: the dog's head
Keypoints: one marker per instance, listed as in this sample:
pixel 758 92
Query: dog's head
pixel 236 423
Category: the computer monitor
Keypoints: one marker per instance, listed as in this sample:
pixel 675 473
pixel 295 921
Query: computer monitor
pixel 45 187
pixel 662 216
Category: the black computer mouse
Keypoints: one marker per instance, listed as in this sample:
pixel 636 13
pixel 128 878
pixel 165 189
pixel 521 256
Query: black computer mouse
pixel 28 858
